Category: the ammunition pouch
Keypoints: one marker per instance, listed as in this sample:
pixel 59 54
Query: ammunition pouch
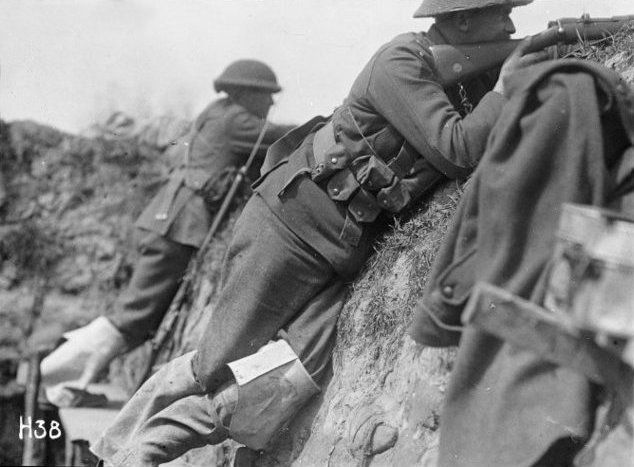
pixel 394 197
pixel 272 386
pixel 592 277
pixel 330 156
pixel 366 183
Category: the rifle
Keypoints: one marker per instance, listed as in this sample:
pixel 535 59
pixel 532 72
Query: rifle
pixel 167 325
pixel 456 63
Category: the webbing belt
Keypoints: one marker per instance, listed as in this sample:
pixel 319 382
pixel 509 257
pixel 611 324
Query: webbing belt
pixel 369 186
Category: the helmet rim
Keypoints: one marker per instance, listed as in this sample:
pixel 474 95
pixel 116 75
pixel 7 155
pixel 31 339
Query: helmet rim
pixel 248 74
pixel 432 8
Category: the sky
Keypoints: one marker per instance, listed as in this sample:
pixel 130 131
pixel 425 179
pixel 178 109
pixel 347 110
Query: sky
pixel 70 63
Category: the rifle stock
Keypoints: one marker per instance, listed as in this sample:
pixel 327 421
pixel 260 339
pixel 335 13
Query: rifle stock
pixel 455 63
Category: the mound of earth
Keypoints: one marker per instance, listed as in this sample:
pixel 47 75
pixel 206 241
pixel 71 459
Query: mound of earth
pixel 66 246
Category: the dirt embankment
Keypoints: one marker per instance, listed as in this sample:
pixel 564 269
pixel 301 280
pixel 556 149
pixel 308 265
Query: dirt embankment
pixel 66 235
pixel 66 232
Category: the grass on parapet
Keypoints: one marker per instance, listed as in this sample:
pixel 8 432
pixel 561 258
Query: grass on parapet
pixel 394 278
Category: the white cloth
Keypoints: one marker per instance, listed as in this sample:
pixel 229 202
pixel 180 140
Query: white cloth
pixel 67 362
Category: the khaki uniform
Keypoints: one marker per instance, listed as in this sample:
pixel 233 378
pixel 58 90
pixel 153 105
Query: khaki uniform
pixel 219 143
pixel 177 219
pixel 335 186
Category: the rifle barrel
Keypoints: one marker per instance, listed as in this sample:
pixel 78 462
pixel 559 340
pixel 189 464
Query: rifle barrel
pixel 571 32
pixel 456 63
pixel 587 19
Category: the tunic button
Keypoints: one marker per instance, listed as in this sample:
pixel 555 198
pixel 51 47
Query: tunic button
pixel 161 217
pixel 360 213
pixel 335 190
pixel 447 291
pixel 333 160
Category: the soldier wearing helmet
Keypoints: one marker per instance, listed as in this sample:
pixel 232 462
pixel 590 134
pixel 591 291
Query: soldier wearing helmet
pixel 308 230
pixel 175 223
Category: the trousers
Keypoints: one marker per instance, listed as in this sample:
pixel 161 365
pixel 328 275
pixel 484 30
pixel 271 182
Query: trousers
pixel 166 417
pixel 269 279
pixel 154 282
pixel 171 414
pixel 273 286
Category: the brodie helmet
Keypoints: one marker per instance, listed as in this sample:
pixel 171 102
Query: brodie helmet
pixel 431 8
pixel 247 74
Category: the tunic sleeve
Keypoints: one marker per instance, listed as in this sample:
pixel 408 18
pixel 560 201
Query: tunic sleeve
pixel 402 87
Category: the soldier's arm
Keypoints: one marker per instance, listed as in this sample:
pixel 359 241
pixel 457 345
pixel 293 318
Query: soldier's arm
pixel 421 179
pixel 245 128
pixel 403 90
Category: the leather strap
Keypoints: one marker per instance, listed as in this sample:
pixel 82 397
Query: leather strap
pixel 404 160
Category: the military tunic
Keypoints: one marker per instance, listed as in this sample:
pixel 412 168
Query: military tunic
pixel 271 279
pixel 220 141
pixel 177 219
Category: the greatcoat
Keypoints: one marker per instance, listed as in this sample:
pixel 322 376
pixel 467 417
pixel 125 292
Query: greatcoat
pixel 560 139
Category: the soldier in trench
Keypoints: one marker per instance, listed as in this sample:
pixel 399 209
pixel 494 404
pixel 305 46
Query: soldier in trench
pixel 174 224
pixel 308 229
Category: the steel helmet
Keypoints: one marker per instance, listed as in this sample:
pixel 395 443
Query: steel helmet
pixel 247 74
pixel 431 8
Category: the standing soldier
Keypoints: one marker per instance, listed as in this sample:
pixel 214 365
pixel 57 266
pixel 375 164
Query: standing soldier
pixel 177 219
pixel 307 230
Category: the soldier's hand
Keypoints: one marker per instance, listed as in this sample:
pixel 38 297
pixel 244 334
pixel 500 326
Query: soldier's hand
pixel 517 61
